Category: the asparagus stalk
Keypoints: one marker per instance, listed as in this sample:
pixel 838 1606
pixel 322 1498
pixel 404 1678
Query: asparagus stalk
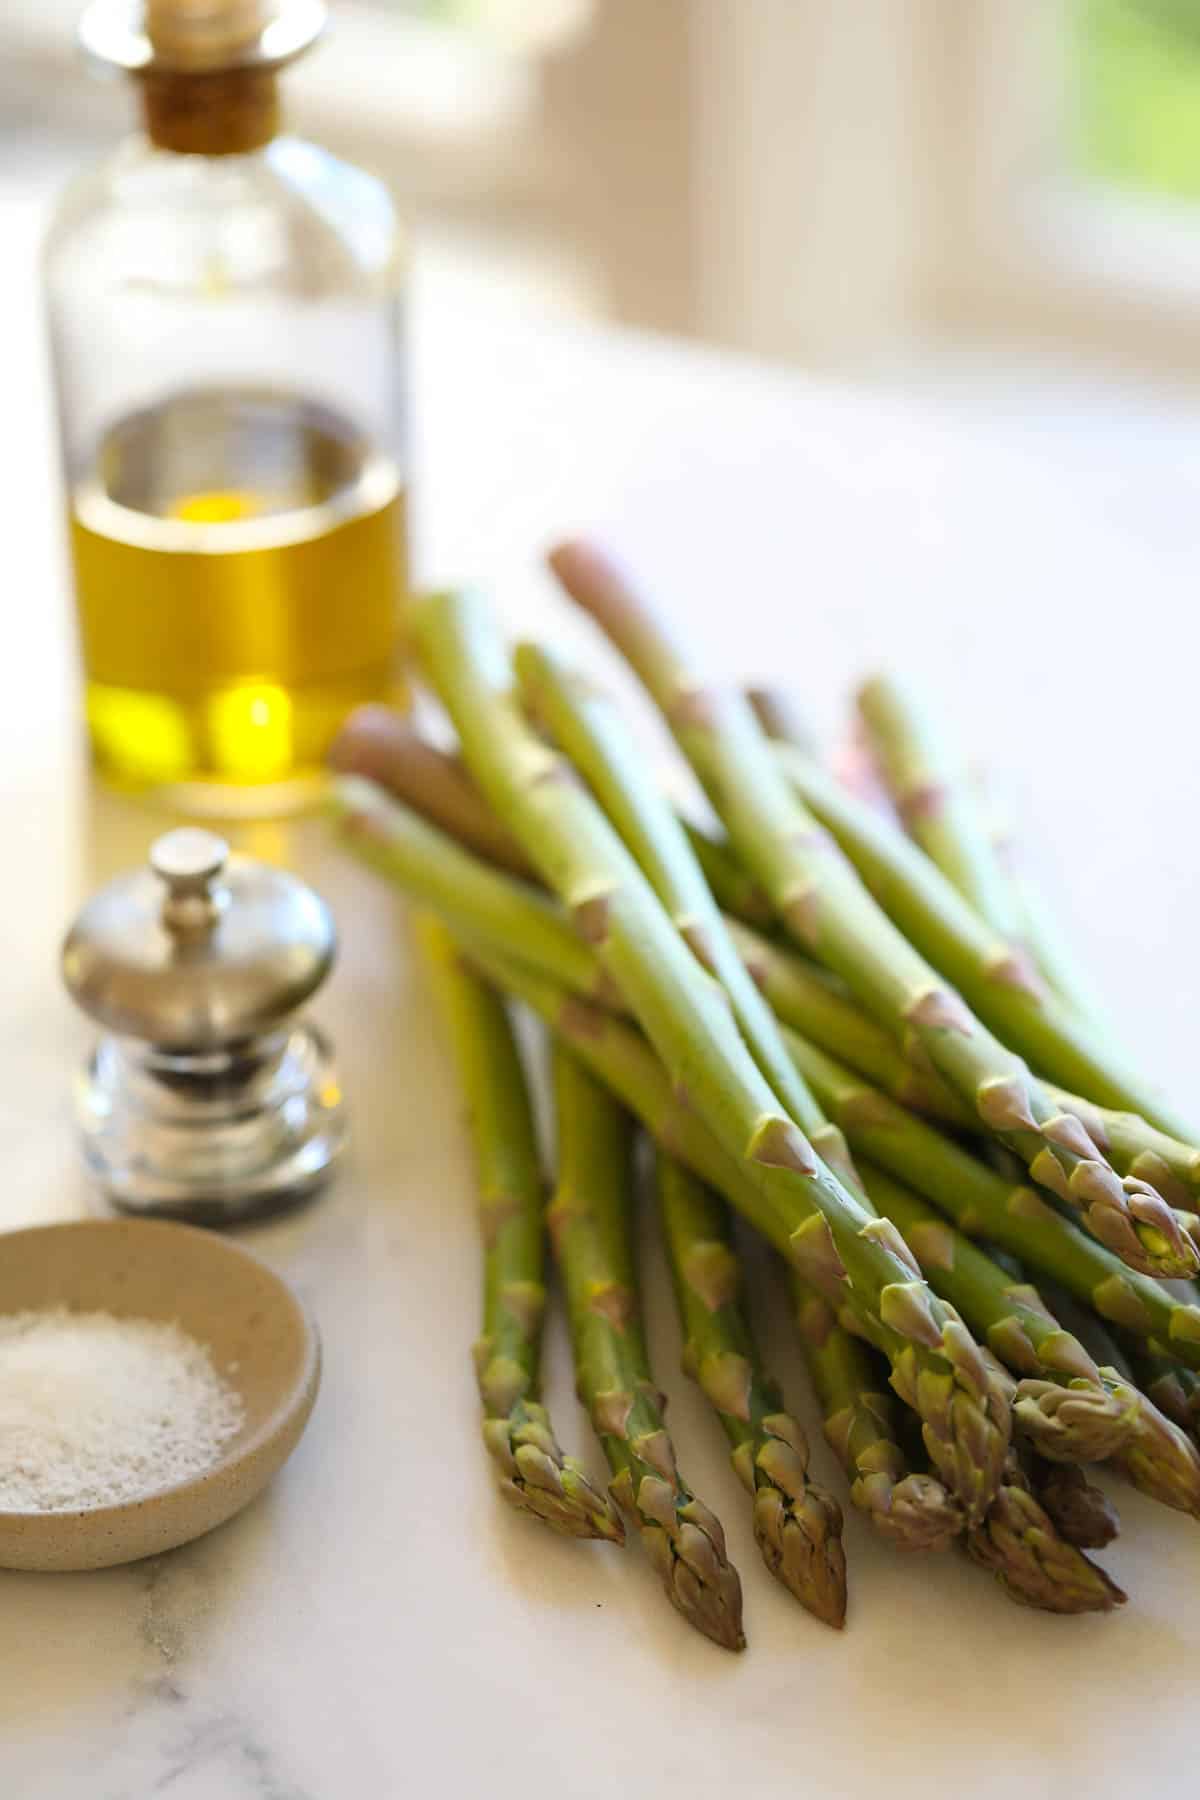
pixel 912 1510
pixel 780 718
pixel 943 816
pixel 815 1003
pixel 1044 938
pixel 434 870
pixel 620 1057
pixel 998 982
pixel 384 747
pixel 590 1225
pixel 1081 1512
pixel 686 1017
pixel 924 1158
pixel 797 1525
pixel 934 801
pixel 587 728
pixel 1156 1456
pixel 734 890
pixel 985 1205
pixel 583 722
pixel 828 912
pixel 534 1474
pixel 404 846
pixel 1070 1409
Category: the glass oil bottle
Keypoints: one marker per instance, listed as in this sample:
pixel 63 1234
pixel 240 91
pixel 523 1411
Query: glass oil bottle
pixel 226 323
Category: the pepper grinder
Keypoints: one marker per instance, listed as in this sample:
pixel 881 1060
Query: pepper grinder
pixel 208 1098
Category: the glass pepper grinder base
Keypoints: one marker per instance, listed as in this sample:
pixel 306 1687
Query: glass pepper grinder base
pixel 210 1097
pixel 216 1138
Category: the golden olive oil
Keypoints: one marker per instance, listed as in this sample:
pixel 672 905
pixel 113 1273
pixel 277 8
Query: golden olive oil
pixel 239 560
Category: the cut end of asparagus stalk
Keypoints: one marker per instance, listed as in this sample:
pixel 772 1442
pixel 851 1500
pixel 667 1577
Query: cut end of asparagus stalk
pixel 382 746
pixel 1081 1423
pixel 1037 1567
pixel 537 1478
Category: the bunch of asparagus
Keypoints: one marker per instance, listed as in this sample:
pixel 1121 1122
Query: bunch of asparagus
pixel 850 1024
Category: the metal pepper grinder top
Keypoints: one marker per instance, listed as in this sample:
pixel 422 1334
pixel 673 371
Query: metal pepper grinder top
pixel 208 1098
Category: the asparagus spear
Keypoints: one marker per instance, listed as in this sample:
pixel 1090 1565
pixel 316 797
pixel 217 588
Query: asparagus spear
pixel 382 746
pixel 535 1475
pixel 943 816
pixel 687 1019
pixel 590 1224
pixel 1137 1148
pixel 919 1156
pixel 433 869
pixel 1156 1456
pixel 1034 1563
pixel 984 1204
pixel 797 1524
pixel 780 718
pixel 829 912
pixel 1160 1458
pixel 431 865
pixel 1044 938
pixel 912 1510
pixel 999 982
pixel 410 850
pixel 1175 1390
pixel 734 890
pixel 933 800
pixel 587 728
pixel 1082 1513
pixel 620 1057
pixel 1071 1409
pixel 584 724
pixel 815 1003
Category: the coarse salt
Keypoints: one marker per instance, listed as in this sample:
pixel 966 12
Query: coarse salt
pixel 96 1410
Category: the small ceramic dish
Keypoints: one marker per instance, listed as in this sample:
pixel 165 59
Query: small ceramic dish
pixel 258 1334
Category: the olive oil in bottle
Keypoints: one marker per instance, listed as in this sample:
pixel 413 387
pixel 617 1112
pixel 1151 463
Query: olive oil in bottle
pixel 224 309
pixel 236 560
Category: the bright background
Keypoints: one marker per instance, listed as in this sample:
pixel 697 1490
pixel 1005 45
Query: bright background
pixel 995 199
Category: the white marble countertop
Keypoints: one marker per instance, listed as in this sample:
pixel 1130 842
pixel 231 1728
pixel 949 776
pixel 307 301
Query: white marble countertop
pixel 378 1624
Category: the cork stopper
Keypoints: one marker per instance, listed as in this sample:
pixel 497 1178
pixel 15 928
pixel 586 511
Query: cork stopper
pixel 207 67
pixel 199 37
pixel 207 34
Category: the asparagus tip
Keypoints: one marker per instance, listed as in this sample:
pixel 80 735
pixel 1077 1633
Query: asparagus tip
pixel 536 1478
pixel 1084 1422
pixel 915 1513
pixel 801 1544
pixel 1035 1565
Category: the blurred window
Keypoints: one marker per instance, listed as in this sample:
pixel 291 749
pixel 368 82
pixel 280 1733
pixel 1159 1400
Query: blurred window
pixel 1136 75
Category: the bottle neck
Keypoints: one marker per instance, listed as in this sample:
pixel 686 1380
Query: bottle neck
pixel 226 112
